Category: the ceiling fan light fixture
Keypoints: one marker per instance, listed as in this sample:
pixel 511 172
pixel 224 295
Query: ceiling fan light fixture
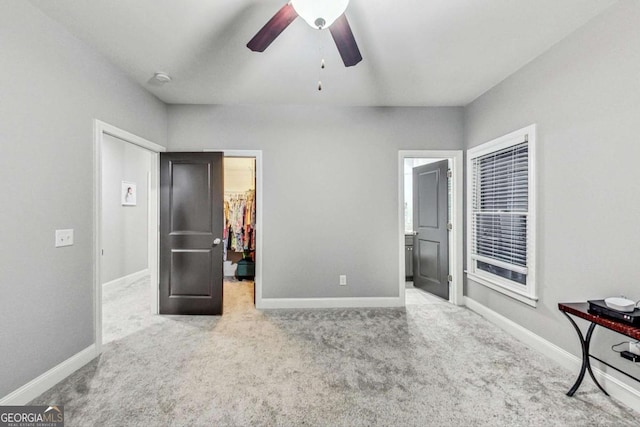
pixel 319 14
pixel 315 12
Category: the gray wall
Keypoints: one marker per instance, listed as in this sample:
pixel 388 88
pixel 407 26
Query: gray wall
pixel 330 178
pixel 52 86
pixel 584 95
pixel 124 228
pixel 330 186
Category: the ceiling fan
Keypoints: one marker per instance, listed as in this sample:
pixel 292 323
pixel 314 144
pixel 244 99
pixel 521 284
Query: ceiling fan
pixel 319 14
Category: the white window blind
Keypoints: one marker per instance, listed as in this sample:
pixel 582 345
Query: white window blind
pixel 500 208
pixel 500 217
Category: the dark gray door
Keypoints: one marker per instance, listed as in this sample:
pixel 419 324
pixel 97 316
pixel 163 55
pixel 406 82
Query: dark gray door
pixel 431 243
pixel 191 224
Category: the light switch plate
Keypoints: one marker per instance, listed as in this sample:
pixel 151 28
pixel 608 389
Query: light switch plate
pixel 64 238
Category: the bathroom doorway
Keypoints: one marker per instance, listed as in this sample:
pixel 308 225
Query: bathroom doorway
pixel 430 223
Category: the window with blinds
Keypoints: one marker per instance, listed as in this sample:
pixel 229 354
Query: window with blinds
pixel 500 219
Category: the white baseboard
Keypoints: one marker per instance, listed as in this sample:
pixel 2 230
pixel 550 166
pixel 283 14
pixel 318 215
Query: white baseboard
pixel 616 388
pixel 130 278
pixel 274 303
pixel 53 376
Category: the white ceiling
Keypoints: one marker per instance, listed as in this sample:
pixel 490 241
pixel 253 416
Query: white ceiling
pixel 416 52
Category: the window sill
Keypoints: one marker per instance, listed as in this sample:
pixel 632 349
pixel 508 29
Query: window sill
pixel 519 296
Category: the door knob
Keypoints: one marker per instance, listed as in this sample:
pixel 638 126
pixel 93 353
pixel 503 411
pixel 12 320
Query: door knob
pixel 216 241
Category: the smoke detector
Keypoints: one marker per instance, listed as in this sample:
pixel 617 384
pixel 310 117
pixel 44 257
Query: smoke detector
pixel 161 77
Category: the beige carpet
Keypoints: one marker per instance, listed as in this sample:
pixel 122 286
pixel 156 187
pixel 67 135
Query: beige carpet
pixel 237 296
pixel 126 306
pixel 126 309
pixel 429 364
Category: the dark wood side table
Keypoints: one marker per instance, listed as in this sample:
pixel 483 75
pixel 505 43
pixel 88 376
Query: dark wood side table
pixel 581 310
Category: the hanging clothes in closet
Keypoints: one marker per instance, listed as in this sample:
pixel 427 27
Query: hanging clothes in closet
pixel 240 217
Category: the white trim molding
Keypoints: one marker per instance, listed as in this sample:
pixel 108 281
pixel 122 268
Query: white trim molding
pixel 53 376
pixel 130 278
pixel 616 388
pixel 101 127
pixel 456 163
pixel 371 302
pixel 513 293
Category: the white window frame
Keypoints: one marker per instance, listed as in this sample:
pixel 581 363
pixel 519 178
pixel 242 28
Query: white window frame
pixel 527 293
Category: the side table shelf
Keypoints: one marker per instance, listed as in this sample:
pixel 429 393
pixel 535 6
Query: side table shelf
pixel 581 310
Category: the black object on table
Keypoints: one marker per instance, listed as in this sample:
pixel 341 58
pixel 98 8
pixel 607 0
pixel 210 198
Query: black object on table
pixel 581 310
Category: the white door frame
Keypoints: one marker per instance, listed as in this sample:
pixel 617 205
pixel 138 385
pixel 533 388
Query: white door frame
pixel 456 234
pixel 257 154
pixel 100 129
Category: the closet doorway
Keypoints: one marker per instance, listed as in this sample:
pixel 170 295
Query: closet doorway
pixel 240 234
pixel 246 230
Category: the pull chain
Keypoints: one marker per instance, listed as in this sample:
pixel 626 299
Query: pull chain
pixel 321 68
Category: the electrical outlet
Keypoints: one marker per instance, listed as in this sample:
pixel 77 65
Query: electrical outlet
pixel 64 238
pixel 634 347
pixel 343 280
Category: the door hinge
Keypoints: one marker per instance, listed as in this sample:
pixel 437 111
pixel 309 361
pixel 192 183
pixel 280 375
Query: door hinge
pixel 449 173
pixel 449 226
pixel 450 278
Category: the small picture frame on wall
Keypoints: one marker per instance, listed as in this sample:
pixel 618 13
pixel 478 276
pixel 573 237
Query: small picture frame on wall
pixel 128 193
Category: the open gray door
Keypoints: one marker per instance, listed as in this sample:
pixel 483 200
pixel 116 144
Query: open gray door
pixel 431 240
pixel 191 224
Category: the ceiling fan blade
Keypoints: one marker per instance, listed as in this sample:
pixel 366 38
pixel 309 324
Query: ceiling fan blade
pixel 273 28
pixel 346 43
